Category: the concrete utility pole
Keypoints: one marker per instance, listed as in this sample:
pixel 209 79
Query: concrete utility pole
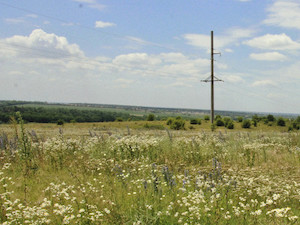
pixel 212 78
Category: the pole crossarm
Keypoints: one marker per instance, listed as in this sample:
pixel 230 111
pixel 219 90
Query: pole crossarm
pixel 209 79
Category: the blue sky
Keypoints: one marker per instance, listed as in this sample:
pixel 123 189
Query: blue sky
pixel 152 53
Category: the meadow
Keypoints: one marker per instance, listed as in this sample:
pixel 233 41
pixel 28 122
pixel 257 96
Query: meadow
pixel 126 173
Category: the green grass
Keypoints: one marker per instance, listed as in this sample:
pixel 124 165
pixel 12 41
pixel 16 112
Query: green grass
pixel 126 173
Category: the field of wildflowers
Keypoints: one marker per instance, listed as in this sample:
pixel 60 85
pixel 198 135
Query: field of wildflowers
pixel 149 177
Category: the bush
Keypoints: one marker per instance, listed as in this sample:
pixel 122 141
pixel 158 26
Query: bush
pixel 281 122
pixel 226 121
pixel 60 122
pixel 170 121
pixel 119 119
pixel 195 121
pixel 199 121
pixel 219 122
pixel 178 124
pixel 246 124
pixel 270 118
pixel 218 117
pixel 254 123
pixel 206 118
pixel 296 125
pixel 230 125
pixel 240 119
pixel 150 117
pixel 154 126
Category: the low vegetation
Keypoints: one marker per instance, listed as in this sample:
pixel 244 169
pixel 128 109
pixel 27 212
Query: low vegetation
pixel 98 174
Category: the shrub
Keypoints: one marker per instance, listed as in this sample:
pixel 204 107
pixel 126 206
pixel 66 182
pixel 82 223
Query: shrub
pixel 119 119
pixel 230 125
pixel 218 117
pixel 154 126
pixel 206 118
pixel 281 122
pixel 193 121
pixel 178 124
pixel 254 123
pixel 240 119
pixel 246 124
pixel 60 122
pixel 191 127
pixel 270 118
pixel 219 122
pixel 296 125
pixel 226 121
pixel 150 117
pixel 170 121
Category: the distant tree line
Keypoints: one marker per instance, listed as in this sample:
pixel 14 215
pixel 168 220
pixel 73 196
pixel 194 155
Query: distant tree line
pixel 53 115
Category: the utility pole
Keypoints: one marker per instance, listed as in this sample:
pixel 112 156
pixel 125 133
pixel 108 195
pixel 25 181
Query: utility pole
pixel 212 78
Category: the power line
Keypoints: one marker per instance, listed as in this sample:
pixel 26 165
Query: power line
pixel 116 35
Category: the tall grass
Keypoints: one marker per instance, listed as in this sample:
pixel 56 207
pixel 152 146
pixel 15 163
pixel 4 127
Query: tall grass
pixel 149 177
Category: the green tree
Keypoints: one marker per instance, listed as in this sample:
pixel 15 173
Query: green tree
pixel 270 118
pixel 280 122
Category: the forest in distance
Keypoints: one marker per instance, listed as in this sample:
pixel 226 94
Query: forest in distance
pixel 43 112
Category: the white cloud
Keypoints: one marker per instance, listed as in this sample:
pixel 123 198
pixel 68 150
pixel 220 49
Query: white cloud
pixel 68 24
pixel 284 13
pixel 173 57
pixel 101 24
pixel 126 81
pixel 32 16
pixel 230 37
pixel 42 44
pixel 264 83
pixel 268 56
pixel 273 42
pixel 233 78
pixel 229 50
pixel 14 20
pixel 136 60
pixel 276 96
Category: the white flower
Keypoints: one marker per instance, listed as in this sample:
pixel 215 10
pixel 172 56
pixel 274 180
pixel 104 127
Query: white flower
pixel 107 210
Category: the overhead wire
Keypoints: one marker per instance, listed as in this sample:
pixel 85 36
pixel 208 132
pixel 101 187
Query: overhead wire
pixel 116 35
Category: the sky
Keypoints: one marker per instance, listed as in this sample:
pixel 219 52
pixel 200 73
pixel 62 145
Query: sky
pixel 152 53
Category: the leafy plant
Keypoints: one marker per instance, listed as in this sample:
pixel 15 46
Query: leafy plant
pixel 280 122
pixel 246 124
